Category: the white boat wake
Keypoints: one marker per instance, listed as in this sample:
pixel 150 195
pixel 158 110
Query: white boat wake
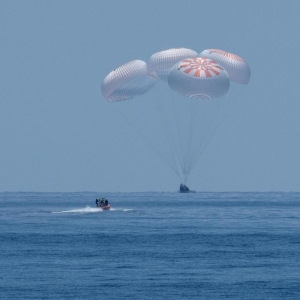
pixel 89 209
pixel 85 210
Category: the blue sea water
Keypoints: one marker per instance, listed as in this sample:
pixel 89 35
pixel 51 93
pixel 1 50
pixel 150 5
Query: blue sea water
pixel 150 246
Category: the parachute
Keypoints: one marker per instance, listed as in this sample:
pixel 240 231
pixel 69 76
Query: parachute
pixel 237 68
pixel 162 62
pixel 199 78
pixel 127 81
pixel 188 100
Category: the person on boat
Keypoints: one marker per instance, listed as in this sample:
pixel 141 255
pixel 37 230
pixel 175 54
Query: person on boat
pixel 97 201
pixel 106 202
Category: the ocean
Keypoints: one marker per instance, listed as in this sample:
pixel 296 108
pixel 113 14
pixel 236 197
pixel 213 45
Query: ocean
pixel 150 246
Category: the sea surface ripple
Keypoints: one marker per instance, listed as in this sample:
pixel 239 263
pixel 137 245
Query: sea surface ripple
pixel 150 246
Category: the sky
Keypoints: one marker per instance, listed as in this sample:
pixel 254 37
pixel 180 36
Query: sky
pixel 58 133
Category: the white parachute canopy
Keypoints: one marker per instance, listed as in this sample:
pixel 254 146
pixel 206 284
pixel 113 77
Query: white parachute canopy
pixel 236 67
pixel 162 62
pixel 127 81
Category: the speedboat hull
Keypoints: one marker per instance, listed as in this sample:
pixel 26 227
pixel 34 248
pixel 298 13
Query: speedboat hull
pixel 106 207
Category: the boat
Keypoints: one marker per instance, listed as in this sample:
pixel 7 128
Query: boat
pixel 102 203
pixel 106 207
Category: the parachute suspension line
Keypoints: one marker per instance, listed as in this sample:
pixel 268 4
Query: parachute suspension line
pixel 211 113
pixel 170 140
pixel 183 138
pixel 148 142
pixel 188 142
pixel 193 115
pixel 169 135
pixel 223 117
pixel 210 132
pixel 179 151
pixel 205 145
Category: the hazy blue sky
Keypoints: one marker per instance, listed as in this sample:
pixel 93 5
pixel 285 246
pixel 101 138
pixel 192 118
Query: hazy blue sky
pixel 57 133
